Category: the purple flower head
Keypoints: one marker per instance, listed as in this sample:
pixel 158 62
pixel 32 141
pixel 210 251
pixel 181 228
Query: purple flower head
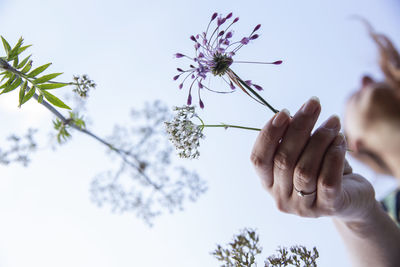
pixel 213 56
pixel 257 27
pixel 259 88
pixel 221 21
pixel 245 41
pixel 254 36
pixel 201 104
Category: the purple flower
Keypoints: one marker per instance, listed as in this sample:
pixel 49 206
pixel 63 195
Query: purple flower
pixel 214 51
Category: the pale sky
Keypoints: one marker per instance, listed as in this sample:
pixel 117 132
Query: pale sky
pixel 127 47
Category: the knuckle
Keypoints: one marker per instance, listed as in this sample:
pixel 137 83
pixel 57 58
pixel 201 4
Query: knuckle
pixel 328 208
pixel 302 212
pixel 283 161
pixel 307 212
pixel 323 133
pixel 303 176
pixel 257 160
pixel 335 155
pixel 299 124
pixel 266 136
pixel 328 187
pixel 266 183
pixel 281 205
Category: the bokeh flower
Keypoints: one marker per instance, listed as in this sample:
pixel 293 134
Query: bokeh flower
pixel 214 52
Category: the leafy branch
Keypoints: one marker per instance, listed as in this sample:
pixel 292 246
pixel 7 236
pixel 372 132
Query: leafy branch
pixel 18 73
pixel 145 161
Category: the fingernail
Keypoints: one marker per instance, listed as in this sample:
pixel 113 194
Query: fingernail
pixel 311 106
pixel 281 118
pixel 332 123
pixel 339 140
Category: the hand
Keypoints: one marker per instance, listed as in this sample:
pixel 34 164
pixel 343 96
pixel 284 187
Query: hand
pixel 307 174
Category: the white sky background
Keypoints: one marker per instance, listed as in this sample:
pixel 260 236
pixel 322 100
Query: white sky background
pixel 46 217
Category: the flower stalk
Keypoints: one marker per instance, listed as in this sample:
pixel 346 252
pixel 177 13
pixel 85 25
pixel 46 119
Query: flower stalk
pixel 226 126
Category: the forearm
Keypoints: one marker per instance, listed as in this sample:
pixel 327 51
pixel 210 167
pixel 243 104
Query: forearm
pixel 374 241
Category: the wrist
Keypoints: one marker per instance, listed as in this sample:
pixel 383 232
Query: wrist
pixel 365 221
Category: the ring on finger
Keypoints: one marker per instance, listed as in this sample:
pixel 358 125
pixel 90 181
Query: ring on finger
pixel 301 193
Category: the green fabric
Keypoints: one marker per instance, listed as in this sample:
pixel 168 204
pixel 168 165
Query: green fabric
pixel 391 203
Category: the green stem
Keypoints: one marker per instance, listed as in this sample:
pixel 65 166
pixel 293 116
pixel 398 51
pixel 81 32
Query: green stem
pixel 230 126
pixel 254 93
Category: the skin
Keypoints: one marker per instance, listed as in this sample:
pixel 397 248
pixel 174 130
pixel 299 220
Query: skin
pixel 288 158
pixel 374 142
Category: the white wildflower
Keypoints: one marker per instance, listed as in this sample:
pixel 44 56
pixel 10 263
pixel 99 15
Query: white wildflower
pixel 184 134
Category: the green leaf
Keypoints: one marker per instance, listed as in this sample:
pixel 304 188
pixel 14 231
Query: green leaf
pixel 40 98
pixel 15 63
pixel 14 52
pixel 27 67
pixel 6 45
pixel 38 70
pixel 54 100
pixel 23 62
pixel 28 95
pixel 7 75
pixel 12 86
pixel 22 92
pixel 48 86
pixel 46 78
pixel 10 81
pixel 23 48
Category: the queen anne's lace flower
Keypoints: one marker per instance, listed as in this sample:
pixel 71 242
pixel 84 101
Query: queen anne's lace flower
pixel 184 134
pixel 214 53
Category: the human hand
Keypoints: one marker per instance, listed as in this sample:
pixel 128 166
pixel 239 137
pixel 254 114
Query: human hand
pixel 307 174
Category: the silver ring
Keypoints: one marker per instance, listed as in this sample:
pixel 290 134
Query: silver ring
pixel 300 193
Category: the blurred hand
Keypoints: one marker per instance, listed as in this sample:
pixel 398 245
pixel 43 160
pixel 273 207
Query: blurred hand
pixel 307 174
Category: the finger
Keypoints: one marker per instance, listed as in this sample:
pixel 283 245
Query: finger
pixel 309 164
pixel 292 144
pixel 347 168
pixel 330 178
pixel 266 144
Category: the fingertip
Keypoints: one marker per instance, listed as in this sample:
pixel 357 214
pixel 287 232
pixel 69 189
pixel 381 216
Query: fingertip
pixel 339 140
pixel 311 107
pixel 281 118
pixel 315 98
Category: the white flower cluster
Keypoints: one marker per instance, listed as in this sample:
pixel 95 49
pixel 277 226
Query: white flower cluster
pixel 184 134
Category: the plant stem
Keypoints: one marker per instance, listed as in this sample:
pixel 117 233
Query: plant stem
pixel 236 79
pixel 258 96
pixel 122 153
pixel 230 126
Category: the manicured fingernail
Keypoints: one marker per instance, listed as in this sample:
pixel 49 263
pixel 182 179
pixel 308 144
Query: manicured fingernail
pixel 281 118
pixel 311 106
pixel 332 123
pixel 339 140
